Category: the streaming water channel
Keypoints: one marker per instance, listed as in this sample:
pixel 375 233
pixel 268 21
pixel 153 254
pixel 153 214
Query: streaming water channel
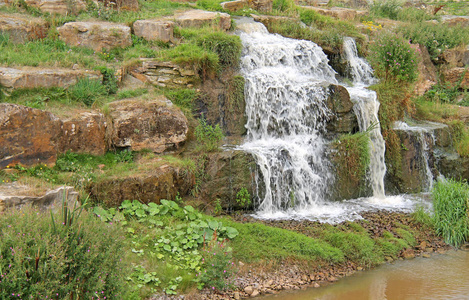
pixel 443 276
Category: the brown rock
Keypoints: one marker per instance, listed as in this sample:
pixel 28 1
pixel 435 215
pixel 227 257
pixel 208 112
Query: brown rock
pixel 316 285
pixel 426 255
pixel 28 77
pixel 21 28
pixel 249 290
pixel 427 71
pixel 28 136
pixel 456 57
pixel 52 199
pixel 455 20
pixel 156 125
pixel 200 18
pixel 408 254
pixel 423 245
pixel 84 133
pixel 131 5
pixel 61 7
pixel 255 293
pixel 261 5
pixel 343 119
pixel 456 76
pixel 154 30
pixel 236 296
pixel 338 12
pixel 95 35
pixel 164 182
pixel 234 5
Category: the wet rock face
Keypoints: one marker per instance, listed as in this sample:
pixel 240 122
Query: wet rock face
pixel 200 18
pixel 28 136
pixel 154 125
pixel 29 77
pixel 85 133
pixel 154 30
pixel 344 119
pixel 21 29
pixel 95 35
pixel 162 183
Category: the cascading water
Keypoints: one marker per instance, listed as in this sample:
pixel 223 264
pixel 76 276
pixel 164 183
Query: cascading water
pixel 366 108
pixel 285 93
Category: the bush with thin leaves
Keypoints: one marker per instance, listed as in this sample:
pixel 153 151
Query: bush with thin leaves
pixel 87 91
pixel 451 208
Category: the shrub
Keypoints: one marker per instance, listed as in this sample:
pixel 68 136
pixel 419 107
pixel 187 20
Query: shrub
pixel 243 198
pixel 451 211
pixel 227 47
pixel 393 59
pixel 77 261
pixel 435 37
pixel 385 9
pixel 87 91
pixel 208 136
pixel 218 268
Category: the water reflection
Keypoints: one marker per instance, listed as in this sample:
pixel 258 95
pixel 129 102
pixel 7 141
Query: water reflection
pixel 440 277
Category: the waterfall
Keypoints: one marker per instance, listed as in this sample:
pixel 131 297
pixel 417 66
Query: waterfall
pixel 285 105
pixel 366 108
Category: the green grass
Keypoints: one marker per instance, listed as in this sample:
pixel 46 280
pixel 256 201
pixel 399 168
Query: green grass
pixel 183 98
pixel 451 211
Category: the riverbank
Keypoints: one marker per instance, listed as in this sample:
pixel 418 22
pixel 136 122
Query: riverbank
pixel 273 277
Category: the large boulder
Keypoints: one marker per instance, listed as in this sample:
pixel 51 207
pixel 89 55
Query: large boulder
pixel 21 29
pixel 28 136
pixel 200 18
pixel 29 77
pixel 61 7
pixel 155 125
pixel 154 30
pixel 85 133
pixel 164 182
pixel 95 35
pixel 14 195
pixel 426 69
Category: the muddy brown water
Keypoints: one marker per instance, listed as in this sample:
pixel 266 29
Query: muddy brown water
pixel 443 276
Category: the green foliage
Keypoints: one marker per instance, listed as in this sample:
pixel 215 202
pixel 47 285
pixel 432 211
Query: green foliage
pixel 217 209
pixel 165 233
pixel 208 136
pixel 213 5
pixel 40 171
pixel 435 37
pixel 131 93
pixel 385 9
pixel 87 91
pixel 393 59
pixel 352 157
pixel 218 266
pixel 422 217
pixel 451 211
pixel 283 5
pixel 193 55
pixel 227 47
pixel 184 98
pixel 109 79
pixel 460 135
pixel 243 198
pixel 59 261
pixel 414 15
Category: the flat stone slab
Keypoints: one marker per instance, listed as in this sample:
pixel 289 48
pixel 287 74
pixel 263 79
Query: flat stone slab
pixel 12 195
pixel 200 18
pixel 95 35
pixel 20 28
pixel 234 5
pixel 29 77
pixel 154 30
pixel 61 7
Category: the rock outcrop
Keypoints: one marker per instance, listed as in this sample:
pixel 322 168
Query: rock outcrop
pixel 455 20
pixel 85 133
pixel 12 195
pixel 29 77
pixel 456 57
pixel 165 74
pixel 154 30
pixel 261 5
pixel 95 35
pixel 164 182
pixel 21 29
pixel 200 18
pixel 155 125
pixel 344 119
pixel 234 5
pixel 426 69
pixel 61 7
pixel 338 12
pixel 28 136
pixel 457 76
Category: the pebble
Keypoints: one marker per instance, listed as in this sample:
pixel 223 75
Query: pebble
pixel 249 290
pixel 426 255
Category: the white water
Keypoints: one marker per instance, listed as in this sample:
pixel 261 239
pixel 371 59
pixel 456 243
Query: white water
pixel 366 108
pixel 285 94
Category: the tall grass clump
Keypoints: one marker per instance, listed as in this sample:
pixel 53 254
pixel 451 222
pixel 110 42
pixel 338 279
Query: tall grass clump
pixel 393 59
pixel 451 211
pixel 227 47
pixel 87 91
pixel 54 258
pixel 385 9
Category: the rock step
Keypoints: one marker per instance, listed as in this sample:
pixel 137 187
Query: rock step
pixel 22 28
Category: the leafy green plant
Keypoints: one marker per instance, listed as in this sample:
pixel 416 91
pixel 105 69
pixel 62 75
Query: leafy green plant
pixel 243 198
pixel 109 79
pixel 208 136
pixel 393 59
pixel 451 211
pixel 385 9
